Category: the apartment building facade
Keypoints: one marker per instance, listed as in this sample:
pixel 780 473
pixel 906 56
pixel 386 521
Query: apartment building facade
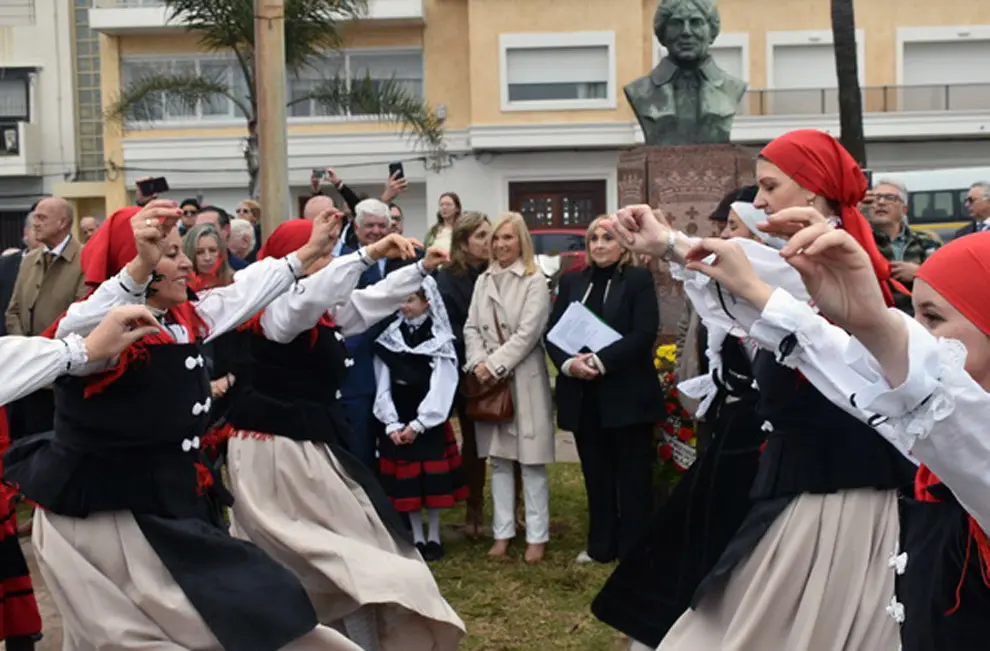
pixel 37 110
pixel 531 93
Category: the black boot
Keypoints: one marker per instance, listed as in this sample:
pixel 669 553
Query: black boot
pixel 22 643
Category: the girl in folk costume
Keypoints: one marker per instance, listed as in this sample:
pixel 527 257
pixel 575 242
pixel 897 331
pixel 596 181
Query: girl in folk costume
pixel 299 494
pixel 824 513
pixel 130 541
pixel 929 381
pixel 416 372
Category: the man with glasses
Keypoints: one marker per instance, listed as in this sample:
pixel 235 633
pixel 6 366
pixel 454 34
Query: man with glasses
pixel 978 204
pixel 905 247
pixel 190 208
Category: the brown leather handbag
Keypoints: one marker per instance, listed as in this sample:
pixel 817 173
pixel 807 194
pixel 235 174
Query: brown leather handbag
pixel 488 403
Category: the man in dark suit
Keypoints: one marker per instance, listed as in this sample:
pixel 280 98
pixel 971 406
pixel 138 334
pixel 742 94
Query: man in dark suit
pixel 9 264
pixel 371 223
pixel 978 204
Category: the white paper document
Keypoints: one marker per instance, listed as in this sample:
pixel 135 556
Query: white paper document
pixel 579 328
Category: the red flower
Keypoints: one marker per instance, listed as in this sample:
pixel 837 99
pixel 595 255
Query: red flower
pixel 665 452
pixel 685 434
pixel 674 392
pixel 671 408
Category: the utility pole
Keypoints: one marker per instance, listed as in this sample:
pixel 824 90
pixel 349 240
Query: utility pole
pixel 269 75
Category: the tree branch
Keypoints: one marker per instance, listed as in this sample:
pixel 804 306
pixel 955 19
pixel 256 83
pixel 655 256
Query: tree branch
pixel 136 102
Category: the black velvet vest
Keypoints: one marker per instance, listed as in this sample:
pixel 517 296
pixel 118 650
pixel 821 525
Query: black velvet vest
pixel 292 389
pixel 132 446
pixel 814 446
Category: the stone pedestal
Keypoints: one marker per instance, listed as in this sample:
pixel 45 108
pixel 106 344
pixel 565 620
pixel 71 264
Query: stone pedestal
pixel 686 183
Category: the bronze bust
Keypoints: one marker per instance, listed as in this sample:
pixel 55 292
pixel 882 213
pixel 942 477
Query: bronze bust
pixel 687 99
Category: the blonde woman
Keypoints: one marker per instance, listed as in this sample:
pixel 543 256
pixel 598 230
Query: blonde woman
pixel 204 246
pixel 608 398
pixel 508 314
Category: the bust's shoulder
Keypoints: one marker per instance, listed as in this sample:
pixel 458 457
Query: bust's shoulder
pixel 734 86
pixel 640 87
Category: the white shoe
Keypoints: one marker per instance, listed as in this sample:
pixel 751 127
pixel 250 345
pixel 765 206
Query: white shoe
pixel 583 558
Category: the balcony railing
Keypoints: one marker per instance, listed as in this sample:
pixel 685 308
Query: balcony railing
pixel 876 99
pixel 126 4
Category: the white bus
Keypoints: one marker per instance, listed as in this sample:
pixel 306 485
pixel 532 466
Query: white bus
pixel 936 197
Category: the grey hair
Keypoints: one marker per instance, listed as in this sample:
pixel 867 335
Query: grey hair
pixel 27 220
pixel 902 190
pixel 240 227
pixel 372 208
pixel 666 9
pixel 984 186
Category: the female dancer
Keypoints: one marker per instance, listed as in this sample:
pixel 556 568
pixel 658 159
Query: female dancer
pixel 130 542
pixel 824 515
pixel 30 364
pixel 299 495
pixel 647 593
pixel 940 365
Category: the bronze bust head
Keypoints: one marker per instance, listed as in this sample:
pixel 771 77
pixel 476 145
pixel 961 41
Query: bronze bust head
pixel 687 99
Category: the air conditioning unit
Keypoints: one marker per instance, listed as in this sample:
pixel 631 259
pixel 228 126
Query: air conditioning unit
pixel 9 140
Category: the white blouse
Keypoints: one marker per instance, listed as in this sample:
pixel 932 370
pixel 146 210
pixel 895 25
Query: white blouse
pixel 939 413
pixel 332 290
pixel 435 407
pixel 222 309
pixel 28 364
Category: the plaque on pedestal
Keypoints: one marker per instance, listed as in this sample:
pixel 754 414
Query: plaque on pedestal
pixel 686 182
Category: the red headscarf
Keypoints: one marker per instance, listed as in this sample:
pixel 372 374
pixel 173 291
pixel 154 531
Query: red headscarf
pixel 289 237
pixel 110 249
pixel 819 163
pixel 960 273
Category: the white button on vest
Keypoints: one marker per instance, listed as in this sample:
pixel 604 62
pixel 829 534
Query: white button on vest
pixel 193 362
pixel 186 445
pixel 339 394
pixel 339 336
pixel 201 408
pixel 348 362
pixel 767 426
pixel 898 562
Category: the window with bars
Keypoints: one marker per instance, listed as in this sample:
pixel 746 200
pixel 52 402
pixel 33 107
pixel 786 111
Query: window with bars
pixel 403 67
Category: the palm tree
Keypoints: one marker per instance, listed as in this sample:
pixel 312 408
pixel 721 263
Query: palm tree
pixel 847 72
pixel 312 35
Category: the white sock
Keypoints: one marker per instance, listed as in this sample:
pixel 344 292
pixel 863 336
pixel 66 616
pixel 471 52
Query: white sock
pixel 416 521
pixel 434 515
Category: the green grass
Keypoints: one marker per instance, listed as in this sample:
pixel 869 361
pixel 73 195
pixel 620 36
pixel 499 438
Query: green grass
pixel 509 605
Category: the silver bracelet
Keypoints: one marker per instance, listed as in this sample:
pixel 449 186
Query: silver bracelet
pixel 671 245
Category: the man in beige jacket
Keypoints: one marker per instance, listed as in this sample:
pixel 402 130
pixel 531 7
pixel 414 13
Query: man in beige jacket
pixel 50 279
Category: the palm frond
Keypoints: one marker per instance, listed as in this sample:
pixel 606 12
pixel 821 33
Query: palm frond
pixel 312 27
pixel 222 25
pixel 144 99
pixel 387 100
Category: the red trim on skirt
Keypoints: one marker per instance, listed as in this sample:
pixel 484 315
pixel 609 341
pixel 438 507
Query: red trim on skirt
pixel 19 616
pixel 399 476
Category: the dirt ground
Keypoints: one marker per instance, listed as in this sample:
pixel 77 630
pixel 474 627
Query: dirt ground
pixel 566 452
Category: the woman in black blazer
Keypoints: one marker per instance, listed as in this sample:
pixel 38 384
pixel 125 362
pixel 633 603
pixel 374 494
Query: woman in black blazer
pixel 612 399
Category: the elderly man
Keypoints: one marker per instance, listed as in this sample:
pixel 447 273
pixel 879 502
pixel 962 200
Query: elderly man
pixel 221 220
pixel 87 227
pixel 371 223
pixel 978 205
pixel 49 280
pixel 687 99
pixel 241 242
pixel 905 247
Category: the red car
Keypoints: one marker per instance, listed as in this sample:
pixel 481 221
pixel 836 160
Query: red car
pixel 567 243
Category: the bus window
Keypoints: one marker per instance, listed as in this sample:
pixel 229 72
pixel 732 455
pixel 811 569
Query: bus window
pixel 933 207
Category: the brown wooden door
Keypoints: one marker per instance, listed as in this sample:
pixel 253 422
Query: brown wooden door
pixel 558 204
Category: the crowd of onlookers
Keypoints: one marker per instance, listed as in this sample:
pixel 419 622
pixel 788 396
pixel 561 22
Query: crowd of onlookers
pixel 500 311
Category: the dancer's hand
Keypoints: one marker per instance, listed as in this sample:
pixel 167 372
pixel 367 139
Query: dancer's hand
pixel 435 258
pixel 393 247
pixel 120 328
pixel 640 229
pixel 151 225
pixel 731 268
pixel 789 221
pixel 839 276
pixel 326 231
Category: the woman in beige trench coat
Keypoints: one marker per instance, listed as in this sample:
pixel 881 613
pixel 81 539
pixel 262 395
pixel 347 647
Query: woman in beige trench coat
pixel 503 339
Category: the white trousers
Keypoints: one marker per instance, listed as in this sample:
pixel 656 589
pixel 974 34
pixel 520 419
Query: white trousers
pixel 536 495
